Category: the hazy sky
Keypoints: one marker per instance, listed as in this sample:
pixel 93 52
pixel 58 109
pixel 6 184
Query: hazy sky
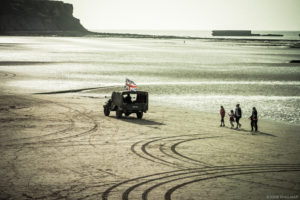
pixel 188 14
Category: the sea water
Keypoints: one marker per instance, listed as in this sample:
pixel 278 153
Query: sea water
pixel 286 35
pixel 197 75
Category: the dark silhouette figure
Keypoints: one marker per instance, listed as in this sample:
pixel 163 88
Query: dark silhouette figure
pixel 128 99
pixel 254 119
pixel 222 113
pixel 238 116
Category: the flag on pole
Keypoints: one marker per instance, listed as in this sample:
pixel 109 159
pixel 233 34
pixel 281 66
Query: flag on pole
pixel 130 85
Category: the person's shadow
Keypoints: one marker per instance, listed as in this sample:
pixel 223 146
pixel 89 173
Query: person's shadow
pixel 253 133
pixel 262 133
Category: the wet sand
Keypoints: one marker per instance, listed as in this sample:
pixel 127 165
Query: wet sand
pixel 61 146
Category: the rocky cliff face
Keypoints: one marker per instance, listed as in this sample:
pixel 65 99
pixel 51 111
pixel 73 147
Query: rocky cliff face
pixel 37 16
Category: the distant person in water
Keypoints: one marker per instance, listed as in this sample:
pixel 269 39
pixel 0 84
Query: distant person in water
pixel 238 116
pixel 231 118
pixel 222 113
pixel 254 119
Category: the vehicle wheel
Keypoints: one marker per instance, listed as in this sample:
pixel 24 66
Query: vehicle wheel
pixel 139 115
pixel 119 113
pixel 106 111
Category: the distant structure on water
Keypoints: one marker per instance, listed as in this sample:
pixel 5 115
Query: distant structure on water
pixel 232 33
pixel 239 33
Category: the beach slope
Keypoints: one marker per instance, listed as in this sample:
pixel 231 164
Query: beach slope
pixel 62 146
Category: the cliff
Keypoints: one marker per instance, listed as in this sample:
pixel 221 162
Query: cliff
pixel 38 17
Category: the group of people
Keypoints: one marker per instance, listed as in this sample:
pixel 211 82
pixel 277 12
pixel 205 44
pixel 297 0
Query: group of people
pixel 235 116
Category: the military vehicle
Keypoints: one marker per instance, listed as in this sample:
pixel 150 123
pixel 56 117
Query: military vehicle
pixel 127 102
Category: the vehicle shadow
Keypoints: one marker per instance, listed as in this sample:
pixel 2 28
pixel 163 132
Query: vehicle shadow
pixel 140 121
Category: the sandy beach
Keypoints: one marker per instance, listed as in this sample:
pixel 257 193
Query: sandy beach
pixel 61 146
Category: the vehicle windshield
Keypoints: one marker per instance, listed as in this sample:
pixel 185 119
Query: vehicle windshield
pixel 134 98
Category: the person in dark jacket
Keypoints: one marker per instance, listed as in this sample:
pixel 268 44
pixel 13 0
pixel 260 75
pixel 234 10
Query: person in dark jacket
pixel 254 119
pixel 238 116
pixel 222 113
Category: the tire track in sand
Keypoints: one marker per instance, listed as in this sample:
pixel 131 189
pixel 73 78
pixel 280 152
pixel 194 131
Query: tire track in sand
pixel 149 183
pixel 7 75
pixel 186 174
pixel 73 116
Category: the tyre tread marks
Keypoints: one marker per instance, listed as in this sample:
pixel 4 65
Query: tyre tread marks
pixel 154 158
pixel 207 171
pixel 7 75
pixel 70 127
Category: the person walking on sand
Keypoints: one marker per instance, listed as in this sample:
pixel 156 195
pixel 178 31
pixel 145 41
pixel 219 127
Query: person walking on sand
pixel 231 118
pixel 238 116
pixel 254 119
pixel 222 113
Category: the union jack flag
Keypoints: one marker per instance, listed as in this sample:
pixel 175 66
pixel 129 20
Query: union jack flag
pixel 130 85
